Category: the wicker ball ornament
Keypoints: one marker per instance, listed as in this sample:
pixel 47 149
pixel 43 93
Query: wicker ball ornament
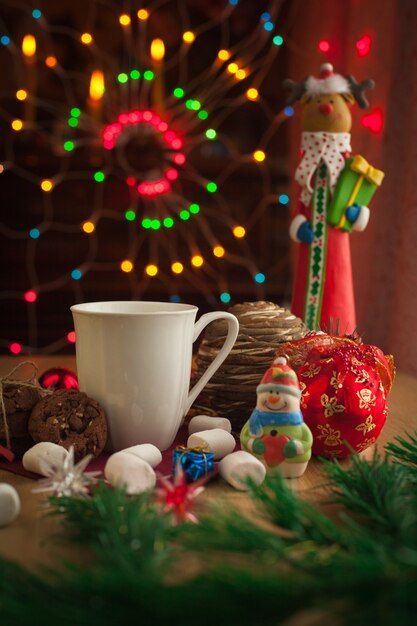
pixel 263 327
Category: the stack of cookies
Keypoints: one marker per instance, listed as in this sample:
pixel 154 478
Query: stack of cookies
pixel 264 326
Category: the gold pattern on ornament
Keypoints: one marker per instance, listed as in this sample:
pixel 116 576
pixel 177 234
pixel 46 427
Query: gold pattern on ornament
pixel 367 398
pixel 312 371
pixel 304 394
pixel 330 405
pixel 296 361
pixel 366 426
pixel 362 377
pixel 365 444
pixel 336 380
pixel 355 361
pixel 331 436
pixel 334 454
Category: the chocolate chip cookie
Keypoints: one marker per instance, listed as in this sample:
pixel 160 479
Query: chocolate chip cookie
pixel 19 401
pixel 70 418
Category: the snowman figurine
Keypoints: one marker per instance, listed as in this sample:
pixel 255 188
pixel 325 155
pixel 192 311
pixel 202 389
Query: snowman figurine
pixel 275 431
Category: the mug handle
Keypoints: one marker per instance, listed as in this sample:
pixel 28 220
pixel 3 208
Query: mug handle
pixel 232 333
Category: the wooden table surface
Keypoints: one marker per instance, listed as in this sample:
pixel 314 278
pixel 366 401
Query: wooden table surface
pixel 29 539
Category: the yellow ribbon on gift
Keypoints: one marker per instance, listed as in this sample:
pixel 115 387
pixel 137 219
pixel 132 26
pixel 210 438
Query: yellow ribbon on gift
pixel 365 171
pixel 362 167
pixel 198 449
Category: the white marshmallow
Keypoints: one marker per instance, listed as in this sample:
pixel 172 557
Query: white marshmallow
pixel 206 422
pixel 236 468
pixel 146 451
pixel 217 441
pixel 123 468
pixel 43 455
pixel 9 504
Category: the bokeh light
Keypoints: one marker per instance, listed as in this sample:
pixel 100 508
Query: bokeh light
pixel 89 227
pixel 197 260
pixel 188 36
pixel 143 14
pixel 151 269
pixel 177 267
pixel 47 185
pixel 259 156
pixel 17 125
pixel 126 266
pixel 239 232
pixel 86 39
pixel 124 19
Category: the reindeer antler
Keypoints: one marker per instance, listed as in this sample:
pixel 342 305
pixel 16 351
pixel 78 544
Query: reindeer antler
pixel 296 89
pixel 357 90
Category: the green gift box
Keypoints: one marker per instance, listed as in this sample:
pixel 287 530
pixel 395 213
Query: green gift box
pixel 356 184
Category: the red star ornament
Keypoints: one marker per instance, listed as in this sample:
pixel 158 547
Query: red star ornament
pixel 177 495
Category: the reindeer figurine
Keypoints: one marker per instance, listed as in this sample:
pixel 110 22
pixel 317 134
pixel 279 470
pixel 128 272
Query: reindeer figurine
pixel 335 191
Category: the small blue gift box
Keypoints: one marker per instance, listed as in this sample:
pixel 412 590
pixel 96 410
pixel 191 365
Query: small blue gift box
pixel 196 462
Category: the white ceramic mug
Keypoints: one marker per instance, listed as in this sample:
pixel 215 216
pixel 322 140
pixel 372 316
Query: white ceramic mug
pixel 135 359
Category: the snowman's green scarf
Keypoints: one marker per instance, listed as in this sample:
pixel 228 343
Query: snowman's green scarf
pixel 264 418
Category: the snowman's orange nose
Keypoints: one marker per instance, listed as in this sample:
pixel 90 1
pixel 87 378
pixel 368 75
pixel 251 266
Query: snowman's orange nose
pixel 273 399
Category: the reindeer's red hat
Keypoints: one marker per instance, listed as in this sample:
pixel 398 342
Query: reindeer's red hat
pixel 327 83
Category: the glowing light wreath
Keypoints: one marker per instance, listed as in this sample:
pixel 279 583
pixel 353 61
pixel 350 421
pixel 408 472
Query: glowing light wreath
pixel 113 132
pixel 214 88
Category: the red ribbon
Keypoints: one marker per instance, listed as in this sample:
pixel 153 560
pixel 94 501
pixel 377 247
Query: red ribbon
pixel 8 454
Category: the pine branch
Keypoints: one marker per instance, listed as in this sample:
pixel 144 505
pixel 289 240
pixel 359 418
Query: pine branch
pixel 377 493
pixel 405 450
pixel 230 532
pixel 119 530
pixel 289 531
pixel 348 594
pixel 287 511
pixel 109 597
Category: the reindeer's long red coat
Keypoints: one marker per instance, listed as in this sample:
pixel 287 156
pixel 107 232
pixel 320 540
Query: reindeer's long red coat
pixel 338 298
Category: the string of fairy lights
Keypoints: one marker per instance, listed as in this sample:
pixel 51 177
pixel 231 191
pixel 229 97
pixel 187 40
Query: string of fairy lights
pixel 129 110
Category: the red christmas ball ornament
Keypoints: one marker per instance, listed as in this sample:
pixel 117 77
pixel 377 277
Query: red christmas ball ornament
pixel 59 378
pixel 344 386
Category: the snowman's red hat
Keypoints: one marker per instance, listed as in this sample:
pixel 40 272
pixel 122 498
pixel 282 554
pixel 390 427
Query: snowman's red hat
pixel 327 83
pixel 280 378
